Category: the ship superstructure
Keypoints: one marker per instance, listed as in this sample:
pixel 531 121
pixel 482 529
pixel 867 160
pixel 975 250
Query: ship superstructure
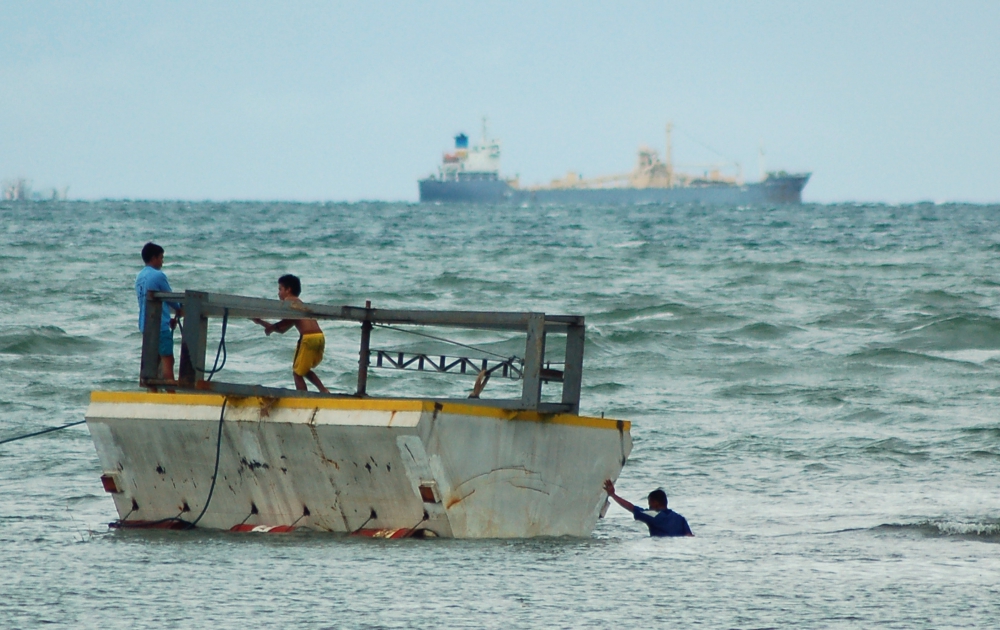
pixel 473 176
pixel 469 174
pixel 480 162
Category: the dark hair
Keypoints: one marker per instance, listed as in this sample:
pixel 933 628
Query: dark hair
pixel 150 251
pixel 291 283
pixel 659 496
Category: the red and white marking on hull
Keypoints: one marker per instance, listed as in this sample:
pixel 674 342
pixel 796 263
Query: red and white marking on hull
pixel 262 529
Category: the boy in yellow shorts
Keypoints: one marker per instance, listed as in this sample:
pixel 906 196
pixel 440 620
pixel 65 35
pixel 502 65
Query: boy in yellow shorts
pixel 309 351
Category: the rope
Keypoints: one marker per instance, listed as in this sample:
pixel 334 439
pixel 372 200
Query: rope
pixel 151 524
pixel 370 517
pixel 305 513
pixel 222 346
pixel 451 341
pixel 49 430
pixel 703 145
pixel 221 349
pixel 215 473
pixel 414 528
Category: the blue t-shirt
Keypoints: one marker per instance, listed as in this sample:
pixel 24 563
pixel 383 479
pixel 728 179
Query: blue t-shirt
pixel 662 522
pixel 151 279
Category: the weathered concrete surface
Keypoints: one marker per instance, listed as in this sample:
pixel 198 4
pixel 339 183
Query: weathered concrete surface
pixel 330 464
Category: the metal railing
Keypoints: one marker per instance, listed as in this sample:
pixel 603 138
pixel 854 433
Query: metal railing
pixel 200 306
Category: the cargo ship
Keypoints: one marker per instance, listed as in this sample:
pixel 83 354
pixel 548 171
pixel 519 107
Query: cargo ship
pixel 472 175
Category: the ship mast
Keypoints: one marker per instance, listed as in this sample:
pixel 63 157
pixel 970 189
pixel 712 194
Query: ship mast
pixel 669 157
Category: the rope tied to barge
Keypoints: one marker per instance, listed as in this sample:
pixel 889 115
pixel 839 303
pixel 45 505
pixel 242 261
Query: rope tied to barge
pixel 42 432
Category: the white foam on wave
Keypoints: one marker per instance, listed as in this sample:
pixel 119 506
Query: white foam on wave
pixel 629 244
pixel 650 316
pixel 971 355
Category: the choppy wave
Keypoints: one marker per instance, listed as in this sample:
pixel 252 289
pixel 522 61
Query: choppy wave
pixel 959 332
pixel 44 340
pixel 987 530
pixel 896 447
pixel 763 331
pixel 894 357
pixel 629 315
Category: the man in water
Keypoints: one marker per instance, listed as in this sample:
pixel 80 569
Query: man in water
pixel 309 351
pixel 660 520
pixel 151 278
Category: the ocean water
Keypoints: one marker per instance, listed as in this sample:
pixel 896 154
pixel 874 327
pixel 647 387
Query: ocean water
pixel 815 386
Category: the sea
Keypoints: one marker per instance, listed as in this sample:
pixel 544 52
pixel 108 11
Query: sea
pixel 817 387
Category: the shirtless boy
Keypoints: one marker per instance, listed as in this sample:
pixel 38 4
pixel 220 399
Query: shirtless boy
pixel 309 351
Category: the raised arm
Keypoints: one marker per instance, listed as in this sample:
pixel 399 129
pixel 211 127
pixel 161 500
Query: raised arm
pixel 609 487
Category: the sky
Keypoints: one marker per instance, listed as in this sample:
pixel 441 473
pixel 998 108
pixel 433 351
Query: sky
pixel 891 102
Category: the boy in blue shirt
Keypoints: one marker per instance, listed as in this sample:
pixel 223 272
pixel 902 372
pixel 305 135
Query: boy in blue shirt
pixel 152 279
pixel 660 520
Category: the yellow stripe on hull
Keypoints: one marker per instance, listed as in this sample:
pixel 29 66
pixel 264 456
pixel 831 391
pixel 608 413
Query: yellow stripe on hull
pixel 358 404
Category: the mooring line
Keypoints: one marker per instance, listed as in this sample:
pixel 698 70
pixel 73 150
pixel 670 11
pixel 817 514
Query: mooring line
pixel 451 341
pixel 43 431
pixel 370 517
pixel 215 474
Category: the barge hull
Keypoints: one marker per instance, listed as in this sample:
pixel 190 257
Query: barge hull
pixel 344 465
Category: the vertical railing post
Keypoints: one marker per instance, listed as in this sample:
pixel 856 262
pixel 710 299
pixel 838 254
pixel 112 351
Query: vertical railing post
pixel 573 368
pixel 194 338
pixel 363 356
pixel 534 356
pixel 149 366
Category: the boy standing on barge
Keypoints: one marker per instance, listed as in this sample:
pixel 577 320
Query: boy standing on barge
pixel 152 278
pixel 309 351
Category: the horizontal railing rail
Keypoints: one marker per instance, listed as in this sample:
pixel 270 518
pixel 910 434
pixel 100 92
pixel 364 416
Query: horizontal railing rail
pixel 199 307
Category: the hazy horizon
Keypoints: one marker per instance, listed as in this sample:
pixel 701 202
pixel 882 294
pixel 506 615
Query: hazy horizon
pixel 891 103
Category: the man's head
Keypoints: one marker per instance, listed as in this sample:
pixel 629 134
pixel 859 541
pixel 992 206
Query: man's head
pixel 657 499
pixel 152 255
pixel 289 285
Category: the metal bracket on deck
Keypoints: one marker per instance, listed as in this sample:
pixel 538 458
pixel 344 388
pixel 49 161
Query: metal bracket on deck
pixel 508 368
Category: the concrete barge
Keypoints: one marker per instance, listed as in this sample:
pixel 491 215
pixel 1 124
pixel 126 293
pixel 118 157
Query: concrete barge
pixel 237 457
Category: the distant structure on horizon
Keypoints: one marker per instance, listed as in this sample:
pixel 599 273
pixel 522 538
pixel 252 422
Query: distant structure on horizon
pixel 19 189
pixel 472 175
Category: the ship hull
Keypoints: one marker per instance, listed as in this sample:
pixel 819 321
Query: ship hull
pixel 773 190
pixel 468 191
pixel 349 466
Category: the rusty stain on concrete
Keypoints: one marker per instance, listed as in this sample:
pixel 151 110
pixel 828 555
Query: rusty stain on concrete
pixel 266 405
pixel 456 500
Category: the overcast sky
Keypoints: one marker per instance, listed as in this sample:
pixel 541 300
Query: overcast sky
pixel 882 101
